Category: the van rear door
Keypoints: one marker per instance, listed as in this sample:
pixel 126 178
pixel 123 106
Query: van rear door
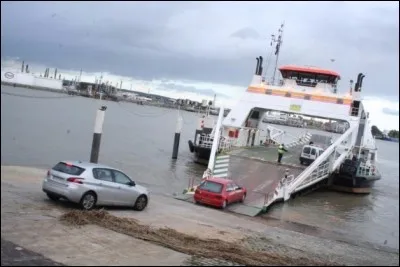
pixel 313 153
pixel 306 152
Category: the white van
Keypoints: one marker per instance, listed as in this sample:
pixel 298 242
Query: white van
pixel 309 153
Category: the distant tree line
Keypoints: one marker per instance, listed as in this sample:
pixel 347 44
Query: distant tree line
pixel 378 133
pixel 375 131
pixel 393 134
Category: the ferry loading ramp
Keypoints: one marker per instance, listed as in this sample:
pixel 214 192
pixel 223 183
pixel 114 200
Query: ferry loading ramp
pixel 257 170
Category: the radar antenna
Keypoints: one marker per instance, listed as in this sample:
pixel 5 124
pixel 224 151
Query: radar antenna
pixel 278 46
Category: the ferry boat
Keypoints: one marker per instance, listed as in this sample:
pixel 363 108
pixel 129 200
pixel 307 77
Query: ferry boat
pixel 303 91
pixel 359 172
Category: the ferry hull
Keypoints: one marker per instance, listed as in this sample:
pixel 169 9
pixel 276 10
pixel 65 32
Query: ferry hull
pixel 202 155
pixel 356 184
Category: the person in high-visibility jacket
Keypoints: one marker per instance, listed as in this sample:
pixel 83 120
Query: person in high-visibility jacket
pixel 281 150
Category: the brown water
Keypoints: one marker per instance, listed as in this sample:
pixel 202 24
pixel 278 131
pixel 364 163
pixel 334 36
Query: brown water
pixel 138 139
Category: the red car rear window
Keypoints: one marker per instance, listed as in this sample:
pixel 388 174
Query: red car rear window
pixel 211 186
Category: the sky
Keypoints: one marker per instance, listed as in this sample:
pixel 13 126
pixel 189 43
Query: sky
pixel 198 49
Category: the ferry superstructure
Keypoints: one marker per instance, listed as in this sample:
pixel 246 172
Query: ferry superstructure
pixel 305 91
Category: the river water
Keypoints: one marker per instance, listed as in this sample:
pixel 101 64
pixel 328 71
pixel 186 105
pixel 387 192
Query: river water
pixel 47 127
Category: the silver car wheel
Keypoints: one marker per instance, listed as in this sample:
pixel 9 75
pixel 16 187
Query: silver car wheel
pixel 141 203
pixel 88 201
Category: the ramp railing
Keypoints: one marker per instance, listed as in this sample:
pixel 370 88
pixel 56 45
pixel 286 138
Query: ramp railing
pixel 325 163
pixel 279 191
pixel 275 134
pixel 320 169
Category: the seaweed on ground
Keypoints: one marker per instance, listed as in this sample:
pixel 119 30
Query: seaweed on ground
pixel 184 243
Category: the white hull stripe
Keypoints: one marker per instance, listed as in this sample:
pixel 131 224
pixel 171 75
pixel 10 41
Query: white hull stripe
pixel 221 175
pixel 220 170
pixel 223 165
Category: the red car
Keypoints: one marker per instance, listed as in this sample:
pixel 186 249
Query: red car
pixel 219 192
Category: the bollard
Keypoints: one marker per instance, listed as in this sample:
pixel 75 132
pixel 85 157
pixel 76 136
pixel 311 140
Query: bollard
pixel 177 137
pixel 98 129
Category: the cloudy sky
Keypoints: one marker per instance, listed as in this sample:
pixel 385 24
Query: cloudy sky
pixel 209 47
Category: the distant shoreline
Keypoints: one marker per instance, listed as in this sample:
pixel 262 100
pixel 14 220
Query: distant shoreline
pixel 63 91
pixel 34 87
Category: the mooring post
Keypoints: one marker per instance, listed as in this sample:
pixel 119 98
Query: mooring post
pixel 98 129
pixel 177 136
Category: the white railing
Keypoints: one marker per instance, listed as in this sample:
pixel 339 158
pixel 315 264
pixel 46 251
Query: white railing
pixel 288 122
pixel 367 170
pixel 320 173
pixel 206 140
pixel 303 139
pixel 280 189
pixel 246 135
pixel 320 169
pixel 329 156
pixel 275 134
pixel 279 192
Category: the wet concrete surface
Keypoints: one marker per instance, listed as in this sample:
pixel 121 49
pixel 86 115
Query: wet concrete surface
pixel 257 170
pixel 270 154
pixel 31 221
pixel 14 255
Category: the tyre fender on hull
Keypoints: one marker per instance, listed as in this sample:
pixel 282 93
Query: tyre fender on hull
pixel 191 146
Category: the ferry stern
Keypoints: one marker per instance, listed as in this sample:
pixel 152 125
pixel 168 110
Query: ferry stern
pixel 203 140
pixel 357 175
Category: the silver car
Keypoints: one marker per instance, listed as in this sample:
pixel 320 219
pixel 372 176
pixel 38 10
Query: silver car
pixel 91 184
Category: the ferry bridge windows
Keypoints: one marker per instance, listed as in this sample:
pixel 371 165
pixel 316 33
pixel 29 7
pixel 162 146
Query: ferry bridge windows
pixel 339 101
pixel 309 79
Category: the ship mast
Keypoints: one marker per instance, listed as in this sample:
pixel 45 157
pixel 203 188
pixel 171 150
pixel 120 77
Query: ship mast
pixel 278 42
